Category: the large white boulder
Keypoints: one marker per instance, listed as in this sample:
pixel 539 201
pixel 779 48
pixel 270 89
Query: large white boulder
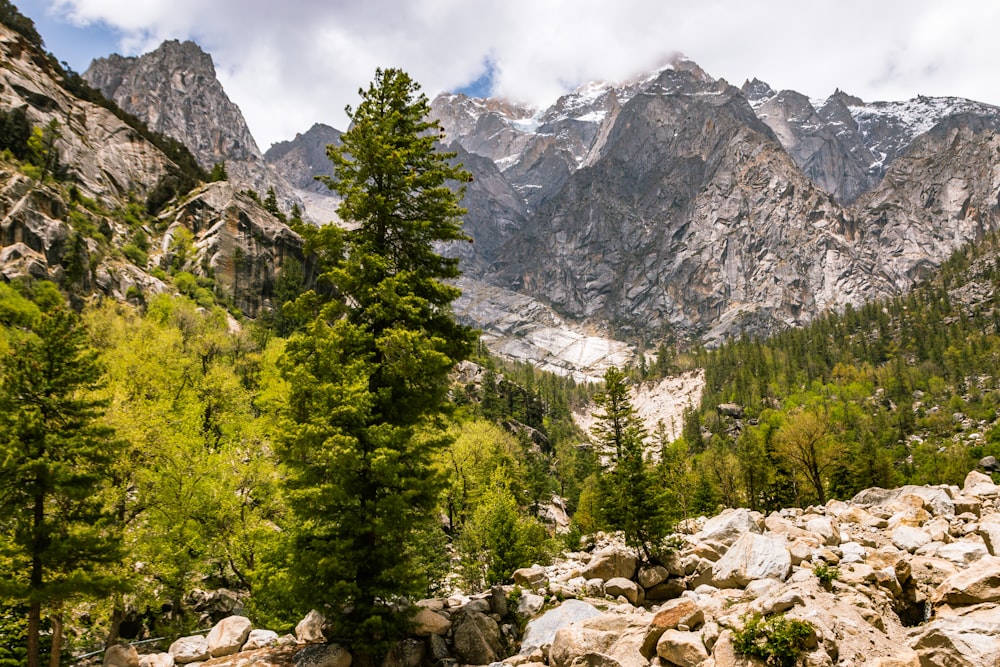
pixel 974 585
pixel 228 635
pixel 541 631
pixel 728 527
pixel 193 648
pixel 752 557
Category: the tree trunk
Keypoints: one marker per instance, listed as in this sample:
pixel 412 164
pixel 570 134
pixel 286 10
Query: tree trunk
pixel 117 616
pixel 57 634
pixel 34 630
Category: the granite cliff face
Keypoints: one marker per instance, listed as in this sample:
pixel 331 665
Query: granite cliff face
pixel 174 89
pixel 72 230
pixel 679 206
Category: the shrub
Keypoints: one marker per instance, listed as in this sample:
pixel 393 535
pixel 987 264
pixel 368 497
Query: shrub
pixel 135 255
pixel 777 640
pixel 826 574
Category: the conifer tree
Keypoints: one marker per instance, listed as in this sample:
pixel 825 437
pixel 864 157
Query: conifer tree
pixel 628 497
pixel 56 533
pixel 368 376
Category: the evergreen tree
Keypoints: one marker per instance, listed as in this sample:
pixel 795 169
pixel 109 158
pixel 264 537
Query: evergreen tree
pixel 629 501
pixel 56 532
pixel 369 376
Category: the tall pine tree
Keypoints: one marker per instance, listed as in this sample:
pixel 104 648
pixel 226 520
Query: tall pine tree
pixel 369 375
pixel 628 497
pixel 56 532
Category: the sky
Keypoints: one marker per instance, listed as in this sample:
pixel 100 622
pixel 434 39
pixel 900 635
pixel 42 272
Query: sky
pixel 291 63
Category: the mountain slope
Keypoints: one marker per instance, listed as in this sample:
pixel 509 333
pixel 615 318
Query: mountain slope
pixel 174 89
pixel 678 206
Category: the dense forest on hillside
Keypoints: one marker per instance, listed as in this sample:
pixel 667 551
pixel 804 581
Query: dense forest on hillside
pixel 894 392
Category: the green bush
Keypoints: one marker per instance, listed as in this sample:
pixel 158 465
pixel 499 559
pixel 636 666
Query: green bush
pixel 777 640
pixel 826 574
pixel 135 255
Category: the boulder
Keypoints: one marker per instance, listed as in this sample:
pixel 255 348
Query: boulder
pixel 427 622
pixel 685 649
pixel 651 575
pixel 668 590
pixel 193 648
pixel 476 638
pixel 622 638
pixel 624 587
pixel 682 611
pixel 310 629
pixel 970 638
pixel 498 601
pixel 728 527
pixel 228 635
pixel 530 577
pixel 960 553
pixel 909 538
pixel 407 653
pixel 121 655
pixel 989 530
pixel 542 630
pixel 260 639
pixel 156 660
pixel 752 557
pixel 826 529
pixel 852 552
pixel 973 585
pixel 610 563
pixel 529 605
pixel 323 655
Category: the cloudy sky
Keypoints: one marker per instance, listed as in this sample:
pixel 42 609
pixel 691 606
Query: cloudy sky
pixel 290 63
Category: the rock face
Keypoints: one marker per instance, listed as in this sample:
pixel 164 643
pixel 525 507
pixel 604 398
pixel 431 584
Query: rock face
pixel 105 156
pixel 680 201
pixel 673 201
pixel 244 247
pixel 304 157
pixel 174 89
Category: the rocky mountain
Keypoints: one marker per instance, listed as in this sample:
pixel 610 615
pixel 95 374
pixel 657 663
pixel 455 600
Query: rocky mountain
pixel 678 206
pixel 174 89
pixel 89 231
pixel 673 206
pixel 304 157
pixel 904 577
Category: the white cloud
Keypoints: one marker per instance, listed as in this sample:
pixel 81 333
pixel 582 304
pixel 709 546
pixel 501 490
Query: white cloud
pixel 291 63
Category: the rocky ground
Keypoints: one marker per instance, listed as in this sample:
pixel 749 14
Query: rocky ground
pixel 908 577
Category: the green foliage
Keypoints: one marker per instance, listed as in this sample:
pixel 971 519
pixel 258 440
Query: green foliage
pixel 15 131
pixel 19 23
pixel 368 374
pixel 135 254
pixel 861 398
pixel 629 498
pixel 181 251
pixel 191 286
pixel 218 173
pixel 777 640
pixel 198 486
pixel 826 574
pixel 42 151
pixel 57 534
pixel 500 538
